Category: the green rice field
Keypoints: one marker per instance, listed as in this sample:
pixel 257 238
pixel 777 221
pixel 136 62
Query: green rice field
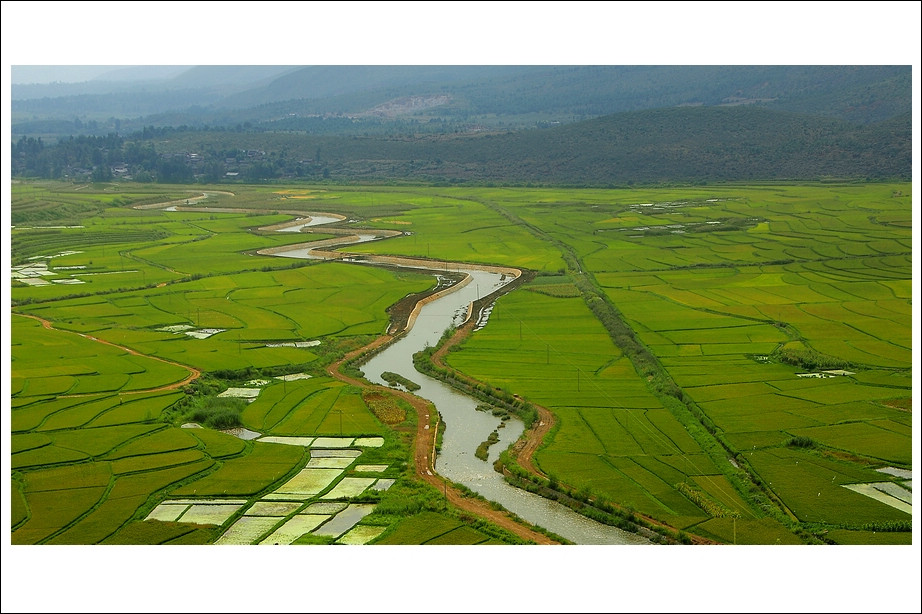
pixel 719 359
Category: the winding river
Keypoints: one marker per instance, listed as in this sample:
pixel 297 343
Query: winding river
pixel 465 427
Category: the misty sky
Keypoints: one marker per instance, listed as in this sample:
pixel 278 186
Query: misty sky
pixel 23 74
pixel 64 74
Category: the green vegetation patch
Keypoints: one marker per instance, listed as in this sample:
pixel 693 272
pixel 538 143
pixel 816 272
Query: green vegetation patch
pixel 635 486
pixel 32 414
pixel 397 380
pixel 46 455
pixel 462 535
pixel 218 444
pixel 77 415
pixel 747 532
pixel 869 538
pixel 98 441
pixel 154 532
pixel 864 439
pixel 811 486
pixel 318 406
pixel 483 450
pixel 129 493
pixel 108 372
pixel 421 529
pixel 28 441
pixel 247 475
pixel 48 515
pixel 386 408
pixel 720 489
pixel 216 412
pixel 157 442
pixel 19 511
pixel 137 408
pixel 747 441
pixel 84 475
pixel 150 462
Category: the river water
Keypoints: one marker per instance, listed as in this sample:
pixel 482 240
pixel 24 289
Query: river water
pixel 465 426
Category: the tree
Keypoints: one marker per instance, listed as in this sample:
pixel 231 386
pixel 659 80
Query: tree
pixel 101 173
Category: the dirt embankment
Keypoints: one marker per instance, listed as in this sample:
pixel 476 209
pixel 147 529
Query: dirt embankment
pixel 525 448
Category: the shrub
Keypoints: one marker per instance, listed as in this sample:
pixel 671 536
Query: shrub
pixel 801 442
pixel 217 413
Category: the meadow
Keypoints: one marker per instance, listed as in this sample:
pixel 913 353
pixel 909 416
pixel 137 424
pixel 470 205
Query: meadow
pixel 713 355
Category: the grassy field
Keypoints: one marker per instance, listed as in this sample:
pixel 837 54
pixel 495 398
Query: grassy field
pixel 715 356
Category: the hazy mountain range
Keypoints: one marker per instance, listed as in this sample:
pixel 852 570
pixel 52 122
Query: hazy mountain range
pixel 565 124
pixel 517 95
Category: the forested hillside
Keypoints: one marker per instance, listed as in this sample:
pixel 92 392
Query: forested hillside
pixel 686 144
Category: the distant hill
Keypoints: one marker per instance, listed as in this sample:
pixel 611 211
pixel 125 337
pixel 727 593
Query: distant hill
pixel 313 83
pixel 451 98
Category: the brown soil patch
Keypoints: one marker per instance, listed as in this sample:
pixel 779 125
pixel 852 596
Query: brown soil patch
pixel 385 407
pixel 901 404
